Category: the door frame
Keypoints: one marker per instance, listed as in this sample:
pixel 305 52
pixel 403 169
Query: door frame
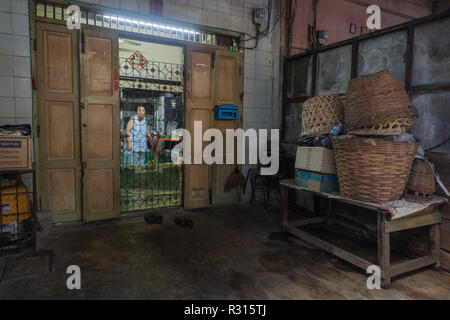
pixel 183 46
pixel 34 20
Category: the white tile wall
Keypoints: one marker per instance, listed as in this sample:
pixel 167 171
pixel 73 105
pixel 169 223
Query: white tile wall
pixel 22 67
pixel 15 75
pixel 20 25
pixel 6 86
pixel 6 65
pixel 22 87
pixel 5 22
pixel 21 46
pixel 23 107
pixel 19 6
pixel 7 109
pixel 5 5
pixel 236 15
pixel 6 44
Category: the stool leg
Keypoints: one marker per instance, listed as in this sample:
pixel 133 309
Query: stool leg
pixel 284 205
pixel 435 243
pixel 265 204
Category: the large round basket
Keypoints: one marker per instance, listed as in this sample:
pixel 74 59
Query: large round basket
pixel 377 104
pixel 320 114
pixel 421 184
pixel 373 170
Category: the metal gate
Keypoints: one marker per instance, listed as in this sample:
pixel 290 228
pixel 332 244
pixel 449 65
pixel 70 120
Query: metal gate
pixel 148 177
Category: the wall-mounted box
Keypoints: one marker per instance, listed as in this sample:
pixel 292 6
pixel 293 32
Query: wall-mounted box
pixel 226 112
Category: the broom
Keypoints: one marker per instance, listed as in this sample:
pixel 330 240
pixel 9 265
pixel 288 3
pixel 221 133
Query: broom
pixel 235 180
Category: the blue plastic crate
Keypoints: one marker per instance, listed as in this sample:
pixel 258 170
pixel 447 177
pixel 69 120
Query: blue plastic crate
pixel 226 112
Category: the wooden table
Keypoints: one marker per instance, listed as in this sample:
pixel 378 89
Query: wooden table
pixel 430 216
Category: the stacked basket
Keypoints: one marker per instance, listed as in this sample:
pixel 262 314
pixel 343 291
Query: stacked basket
pixel 421 183
pixel 320 114
pixel 371 164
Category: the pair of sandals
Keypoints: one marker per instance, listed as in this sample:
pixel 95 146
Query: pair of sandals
pixel 157 219
pixel 184 222
pixel 153 219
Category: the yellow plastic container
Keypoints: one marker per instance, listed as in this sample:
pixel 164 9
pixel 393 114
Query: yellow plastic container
pixel 9 205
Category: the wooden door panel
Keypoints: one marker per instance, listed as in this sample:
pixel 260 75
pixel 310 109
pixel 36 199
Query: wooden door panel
pixel 101 187
pixel 100 131
pixel 201 77
pixel 60 140
pixel 100 125
pixel 200 184
pixel 58 61
pixel 58 134
pixel 199 94
pixel 62 190
pixel 222 171
pixel 98 66
pixel 228 86
pixel 202 115
pixel 226 79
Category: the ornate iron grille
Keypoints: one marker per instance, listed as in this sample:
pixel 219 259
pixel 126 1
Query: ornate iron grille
pixel 148 177
pixel 155 76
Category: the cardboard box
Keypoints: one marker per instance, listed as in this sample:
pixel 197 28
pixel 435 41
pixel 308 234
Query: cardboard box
pixel 15 152
pixel 316 181
pixel 317 159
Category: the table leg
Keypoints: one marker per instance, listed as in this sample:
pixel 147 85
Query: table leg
pixel 316 202
pixel 284 205
pixel 384 251
pixel 435 243
pixel 329 211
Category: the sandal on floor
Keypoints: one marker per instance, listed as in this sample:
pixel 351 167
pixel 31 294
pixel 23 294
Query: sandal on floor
pixel 151 218
pixel 184 222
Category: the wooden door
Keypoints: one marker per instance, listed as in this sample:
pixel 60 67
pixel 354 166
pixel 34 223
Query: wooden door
pixel 100 123
pixel 228 89
pixel 199 103
pixel 58 129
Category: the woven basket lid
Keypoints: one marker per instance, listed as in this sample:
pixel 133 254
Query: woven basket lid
pixel 375 98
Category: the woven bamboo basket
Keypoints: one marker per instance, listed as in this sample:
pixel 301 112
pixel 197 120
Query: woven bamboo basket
pixel 373 170
pixel 377 102
pixel 421 184
pixel 320 114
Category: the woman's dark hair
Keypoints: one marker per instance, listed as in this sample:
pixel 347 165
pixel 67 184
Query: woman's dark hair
pixel 139 105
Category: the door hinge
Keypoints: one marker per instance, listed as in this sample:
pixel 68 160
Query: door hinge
pixel 213 58
pixel 210 195
pixel 83 46
pixel 35 44
pixel 38 131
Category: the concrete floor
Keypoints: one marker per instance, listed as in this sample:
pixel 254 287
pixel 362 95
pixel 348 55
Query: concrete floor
pixel 232 252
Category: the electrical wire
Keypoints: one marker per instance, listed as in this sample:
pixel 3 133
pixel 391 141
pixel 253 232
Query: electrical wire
pixel 265 32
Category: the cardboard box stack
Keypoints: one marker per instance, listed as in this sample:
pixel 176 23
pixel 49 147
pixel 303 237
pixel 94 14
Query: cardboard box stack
pixel 314 166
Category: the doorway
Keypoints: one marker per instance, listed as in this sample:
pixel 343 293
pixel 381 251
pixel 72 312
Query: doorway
pixel 151 109
pixel 90 83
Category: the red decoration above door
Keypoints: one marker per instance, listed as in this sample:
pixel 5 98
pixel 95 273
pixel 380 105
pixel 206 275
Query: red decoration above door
pixel 137 60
